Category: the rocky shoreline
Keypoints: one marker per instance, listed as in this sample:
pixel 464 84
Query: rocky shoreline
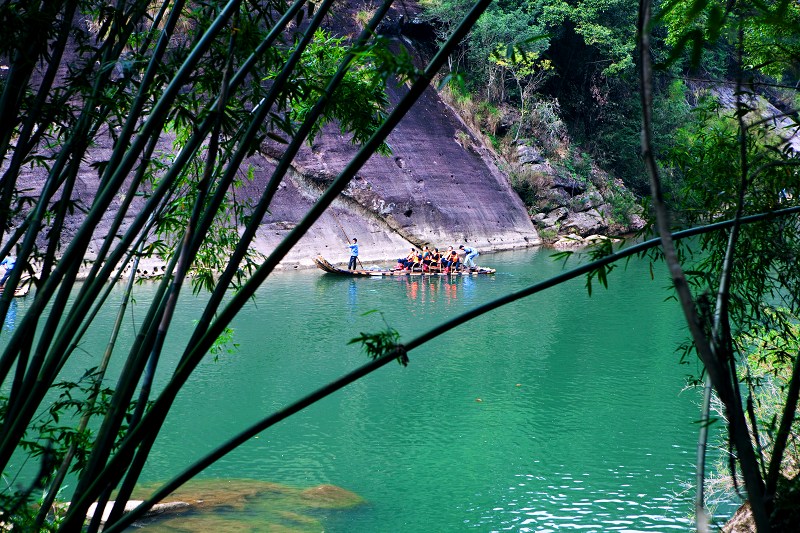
pixel 572 210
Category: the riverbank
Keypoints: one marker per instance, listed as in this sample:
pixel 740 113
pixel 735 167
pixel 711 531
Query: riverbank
pixel 153 267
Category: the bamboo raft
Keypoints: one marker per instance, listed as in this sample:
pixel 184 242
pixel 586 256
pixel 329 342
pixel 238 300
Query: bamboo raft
pixel 20 292
pixel 325 265
pixel 23 287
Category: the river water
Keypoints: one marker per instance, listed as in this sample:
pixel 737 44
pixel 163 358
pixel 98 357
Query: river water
pixel 559 412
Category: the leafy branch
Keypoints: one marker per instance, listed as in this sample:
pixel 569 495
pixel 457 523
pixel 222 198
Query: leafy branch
pixel 382 343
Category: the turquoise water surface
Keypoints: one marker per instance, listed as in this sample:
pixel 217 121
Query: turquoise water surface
pixel 558 412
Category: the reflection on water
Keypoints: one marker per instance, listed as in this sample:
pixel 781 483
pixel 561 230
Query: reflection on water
pixel 11 317
pixel 430 288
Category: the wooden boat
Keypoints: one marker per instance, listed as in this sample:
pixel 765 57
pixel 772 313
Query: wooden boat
pixel 325 265
pixel 21 291
pixel 23 288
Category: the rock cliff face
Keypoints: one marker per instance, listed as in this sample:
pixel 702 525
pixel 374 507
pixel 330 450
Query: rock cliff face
pixel 439 187
pixel 570 209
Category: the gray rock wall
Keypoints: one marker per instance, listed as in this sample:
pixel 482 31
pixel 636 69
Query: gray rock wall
pixel 437 188
pixel 440 187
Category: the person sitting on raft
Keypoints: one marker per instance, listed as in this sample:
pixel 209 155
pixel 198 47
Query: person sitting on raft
pixel 436 260
pixel 426 259
pixel 470 255
pixel 453 260
pixel 407 262
pixel 445 262
pixel 416 262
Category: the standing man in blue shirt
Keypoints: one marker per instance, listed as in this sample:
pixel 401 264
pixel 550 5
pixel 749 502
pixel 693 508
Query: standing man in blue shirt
pixel 7 263
pixel 353 255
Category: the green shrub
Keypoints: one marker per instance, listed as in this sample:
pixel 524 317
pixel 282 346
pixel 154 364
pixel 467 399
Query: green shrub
pixel 488 117
pixel 545 124
pixel 528 184
pixel 623 205
pixel 548 235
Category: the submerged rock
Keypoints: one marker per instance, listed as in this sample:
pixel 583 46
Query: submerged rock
pixel 246 505
pixel 331 497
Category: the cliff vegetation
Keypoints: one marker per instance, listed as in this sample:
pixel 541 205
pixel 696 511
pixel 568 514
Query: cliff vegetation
pixel 219 140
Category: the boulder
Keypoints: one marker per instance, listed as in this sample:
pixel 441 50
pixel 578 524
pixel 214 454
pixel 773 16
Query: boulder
pixel 557 196
pixel 167 508
pixel 635 223
pixel 554 216
pixel 573 240
pixel 129 506
pixel 565 242
pixel 585 223
pixel 572 186
pixel 529 155
pixel 544 168
pixel 595 238
pixel 586 201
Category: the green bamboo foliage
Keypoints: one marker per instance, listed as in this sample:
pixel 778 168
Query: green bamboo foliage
pixel 220 78
pixel 128 72
pixel 734 163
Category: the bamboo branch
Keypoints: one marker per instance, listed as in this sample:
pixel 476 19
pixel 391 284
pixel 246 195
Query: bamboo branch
pixel 55 484
pixel 700 512
pixel 716 366
pixel 336 187
pixel 784 430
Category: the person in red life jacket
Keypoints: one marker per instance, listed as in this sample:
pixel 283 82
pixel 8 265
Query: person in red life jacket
pixel 436 260
pixel 407 261
pixel 426 259
pixel 454 263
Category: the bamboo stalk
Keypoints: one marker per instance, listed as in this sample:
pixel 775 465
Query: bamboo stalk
pixel 711 354
pixel 334 190
pixel 55 484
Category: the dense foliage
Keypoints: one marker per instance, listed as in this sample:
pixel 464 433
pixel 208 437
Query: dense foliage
pixel 589 50
pixel 175 95
pixel 720 95
pixel 219 80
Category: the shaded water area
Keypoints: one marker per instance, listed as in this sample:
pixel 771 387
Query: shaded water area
pixel 561 411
